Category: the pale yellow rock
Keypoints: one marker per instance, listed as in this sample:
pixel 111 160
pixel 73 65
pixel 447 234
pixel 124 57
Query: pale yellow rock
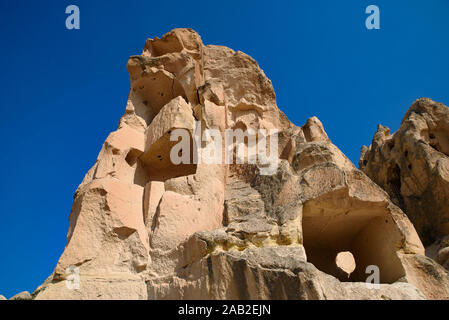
pixel 154 191
pixel 427 275
pixel 412 165
pixel 314 131
pixel 107 231
pixel 143 227
pixel 119 286
pixel 25 295
pixel 179 217
pixel 190 204
pixel 177 114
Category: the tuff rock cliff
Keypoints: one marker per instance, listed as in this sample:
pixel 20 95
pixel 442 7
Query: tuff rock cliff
pixel 412 165
pixel 142 227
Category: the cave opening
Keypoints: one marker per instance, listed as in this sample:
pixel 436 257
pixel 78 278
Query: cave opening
pixel 350 235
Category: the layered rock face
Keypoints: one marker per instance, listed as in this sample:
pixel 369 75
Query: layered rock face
pixel 143 227
pixel 412 165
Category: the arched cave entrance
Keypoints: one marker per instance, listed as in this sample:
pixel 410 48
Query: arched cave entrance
pixel 335 223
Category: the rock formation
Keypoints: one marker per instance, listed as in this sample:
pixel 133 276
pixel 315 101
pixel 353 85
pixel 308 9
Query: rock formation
pixel 143 227
pixel 25 295
pixel 412 165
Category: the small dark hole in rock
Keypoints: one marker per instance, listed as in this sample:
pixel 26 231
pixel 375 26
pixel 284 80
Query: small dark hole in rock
pixel 132 156
pixel 391 145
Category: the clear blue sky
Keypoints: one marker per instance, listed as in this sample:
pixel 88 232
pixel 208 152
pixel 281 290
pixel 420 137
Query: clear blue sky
pixel 63 92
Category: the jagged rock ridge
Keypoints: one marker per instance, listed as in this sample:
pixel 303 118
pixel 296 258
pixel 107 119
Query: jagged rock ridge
pixel 142 227
pixel 412 165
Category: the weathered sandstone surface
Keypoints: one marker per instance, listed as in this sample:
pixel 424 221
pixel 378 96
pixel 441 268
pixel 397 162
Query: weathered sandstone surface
pixel 142 227
pixel 412 165
pixel 25 295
